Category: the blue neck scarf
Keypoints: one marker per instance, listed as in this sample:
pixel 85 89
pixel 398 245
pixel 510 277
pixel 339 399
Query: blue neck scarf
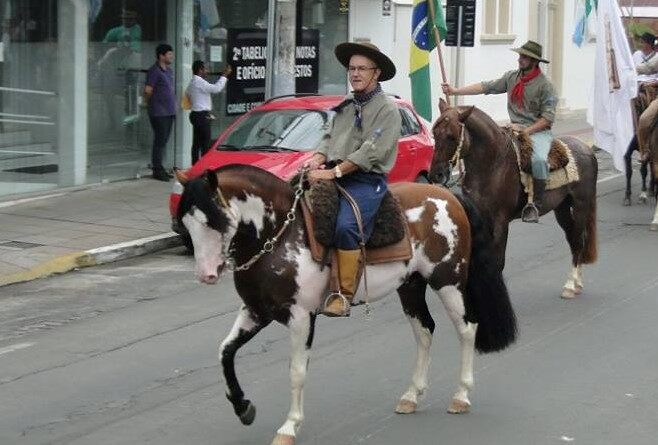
pixel 360 100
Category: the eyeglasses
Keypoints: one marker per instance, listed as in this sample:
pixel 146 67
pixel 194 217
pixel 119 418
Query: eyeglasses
pixel 360 69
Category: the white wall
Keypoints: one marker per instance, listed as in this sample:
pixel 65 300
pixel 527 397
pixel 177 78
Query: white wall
pixel 486 61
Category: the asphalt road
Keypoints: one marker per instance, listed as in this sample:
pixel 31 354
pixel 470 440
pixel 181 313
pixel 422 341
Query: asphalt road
pixel 126 354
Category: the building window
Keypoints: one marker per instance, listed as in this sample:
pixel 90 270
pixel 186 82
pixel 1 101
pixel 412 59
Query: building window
pixel 497 21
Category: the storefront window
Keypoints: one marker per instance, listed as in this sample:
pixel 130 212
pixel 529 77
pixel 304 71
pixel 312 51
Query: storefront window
pixel 123 36
pixel 28 96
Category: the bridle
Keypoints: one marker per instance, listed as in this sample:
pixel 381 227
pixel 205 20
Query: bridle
pixel 455 160
pixel 268 245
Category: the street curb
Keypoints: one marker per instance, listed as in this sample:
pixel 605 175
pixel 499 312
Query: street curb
pixel 95 257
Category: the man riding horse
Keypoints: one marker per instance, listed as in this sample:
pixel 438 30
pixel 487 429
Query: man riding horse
pixel 531 103
pixel 648 67
pixel 362 146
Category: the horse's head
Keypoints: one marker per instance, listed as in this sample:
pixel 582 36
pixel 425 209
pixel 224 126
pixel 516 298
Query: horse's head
pixel 209 223
pixel 450 141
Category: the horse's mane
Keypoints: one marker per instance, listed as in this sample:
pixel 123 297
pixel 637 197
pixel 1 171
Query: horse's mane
pixel 482 124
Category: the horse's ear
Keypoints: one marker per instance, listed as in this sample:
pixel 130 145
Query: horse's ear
pixel 465 113
pixel 211 179
pixel 443 105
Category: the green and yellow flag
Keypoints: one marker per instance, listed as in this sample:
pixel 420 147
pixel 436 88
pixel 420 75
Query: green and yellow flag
pixel 422 42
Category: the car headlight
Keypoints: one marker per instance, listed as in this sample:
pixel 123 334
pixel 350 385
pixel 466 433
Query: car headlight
pixel 177 188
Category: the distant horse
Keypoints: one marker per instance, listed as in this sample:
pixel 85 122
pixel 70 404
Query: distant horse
pixel 492 180
pixel 652 143
pixel 249 219
pixel 644 170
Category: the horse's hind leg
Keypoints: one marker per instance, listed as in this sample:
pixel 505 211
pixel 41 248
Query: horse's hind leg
pixel 245 327
pixel 644 170
pixel 453 301
pixel 629 171
pixel 412 297
pixel 302 326
pixel 574 229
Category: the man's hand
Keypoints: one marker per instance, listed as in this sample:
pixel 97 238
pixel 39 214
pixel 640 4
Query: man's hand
pixel 227 71
pixel 317 175
pixel 518 128
pixel 315 162
pixel 448 89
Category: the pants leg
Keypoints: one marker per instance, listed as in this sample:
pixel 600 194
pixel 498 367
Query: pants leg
pixel 161 126
pixel 368 191
pixel 541 145
pixel 201 133
pixel 644 123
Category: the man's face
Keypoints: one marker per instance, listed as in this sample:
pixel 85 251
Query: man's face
pixel 167 58
pixel 526 63
pixel 363 73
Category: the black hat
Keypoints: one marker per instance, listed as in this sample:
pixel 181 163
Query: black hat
pixel 345 51
pixel 648 38
pixel 531 49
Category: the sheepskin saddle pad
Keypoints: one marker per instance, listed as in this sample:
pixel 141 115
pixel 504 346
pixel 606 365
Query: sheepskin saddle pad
pixel 557 156
pixel 323 197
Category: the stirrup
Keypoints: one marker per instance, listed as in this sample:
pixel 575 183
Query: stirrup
pixel 333 297
pixel 530 213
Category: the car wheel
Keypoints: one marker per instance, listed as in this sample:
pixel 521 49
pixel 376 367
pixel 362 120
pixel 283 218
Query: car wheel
pixel 422 179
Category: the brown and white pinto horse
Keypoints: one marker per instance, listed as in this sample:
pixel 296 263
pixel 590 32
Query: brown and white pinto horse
pixel 492 180
pixel 237 213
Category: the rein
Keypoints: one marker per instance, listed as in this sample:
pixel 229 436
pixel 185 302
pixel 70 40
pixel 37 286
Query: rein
pixel 268 245
pixel 455 159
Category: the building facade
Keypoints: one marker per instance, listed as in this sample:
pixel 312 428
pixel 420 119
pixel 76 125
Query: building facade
pixel 72 71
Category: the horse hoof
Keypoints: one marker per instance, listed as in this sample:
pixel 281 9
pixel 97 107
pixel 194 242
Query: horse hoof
pixel 653 227
pixel 568 294
pixel 406 407
pixel 579 290
pixel 283 439
pixel 249 414
pixel 459 407
pixel 627 201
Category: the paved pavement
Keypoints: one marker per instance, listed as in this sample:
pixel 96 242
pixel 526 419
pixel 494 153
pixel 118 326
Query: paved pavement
pixel 65 230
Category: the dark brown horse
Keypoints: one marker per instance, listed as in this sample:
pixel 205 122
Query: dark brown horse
pixel 249 219
pixel 492 180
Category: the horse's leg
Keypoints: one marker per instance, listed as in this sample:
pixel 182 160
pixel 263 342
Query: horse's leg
pixel 644 170
pixel 500 232
pixel 453 301
pixel 629 172
pixel 302 326
pixel 574 230
pixel 654 224
pixel 412 297
pixel 245 327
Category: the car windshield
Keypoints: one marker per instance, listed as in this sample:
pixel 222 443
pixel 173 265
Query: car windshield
pixel 299 130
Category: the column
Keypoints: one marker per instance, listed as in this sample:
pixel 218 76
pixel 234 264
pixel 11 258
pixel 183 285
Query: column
pixel 183 24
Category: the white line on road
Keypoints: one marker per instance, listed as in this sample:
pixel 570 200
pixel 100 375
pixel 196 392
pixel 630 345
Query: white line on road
pixel 609 178
pixel 15 347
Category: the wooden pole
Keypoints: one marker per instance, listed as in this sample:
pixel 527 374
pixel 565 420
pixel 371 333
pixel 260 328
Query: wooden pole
pixel 437 39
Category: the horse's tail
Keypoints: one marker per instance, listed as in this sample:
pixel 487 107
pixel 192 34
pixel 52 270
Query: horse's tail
pixel 590 252
pixel 486 298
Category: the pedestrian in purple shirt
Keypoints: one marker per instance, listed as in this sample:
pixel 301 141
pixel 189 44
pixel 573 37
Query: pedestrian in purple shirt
pixel 161 99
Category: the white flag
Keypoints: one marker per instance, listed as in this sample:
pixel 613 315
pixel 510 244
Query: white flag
pixel 615 84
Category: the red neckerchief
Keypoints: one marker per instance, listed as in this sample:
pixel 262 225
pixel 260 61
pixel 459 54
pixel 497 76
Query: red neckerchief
pixel 519 88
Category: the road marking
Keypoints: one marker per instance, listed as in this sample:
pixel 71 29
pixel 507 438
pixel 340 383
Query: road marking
pixel 609 178
pixel 15 347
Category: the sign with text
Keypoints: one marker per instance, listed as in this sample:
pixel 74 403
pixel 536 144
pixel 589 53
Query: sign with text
pixel 466 24
pixel 247 53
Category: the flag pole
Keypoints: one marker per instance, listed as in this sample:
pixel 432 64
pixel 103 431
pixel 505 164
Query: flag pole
pixel 437 39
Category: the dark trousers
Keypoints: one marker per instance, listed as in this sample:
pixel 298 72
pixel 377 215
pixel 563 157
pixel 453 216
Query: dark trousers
pixel 201 133
pixel 368 190
pixel 161 126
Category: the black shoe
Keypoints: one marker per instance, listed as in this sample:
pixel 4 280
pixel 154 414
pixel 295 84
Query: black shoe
pixel 161 175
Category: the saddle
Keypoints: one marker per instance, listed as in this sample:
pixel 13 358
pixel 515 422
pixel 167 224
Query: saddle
pixel 389 241
pixel 562 165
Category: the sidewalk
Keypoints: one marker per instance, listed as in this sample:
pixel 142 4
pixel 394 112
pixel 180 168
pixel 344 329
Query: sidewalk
pixel 64 230
pixel 58 232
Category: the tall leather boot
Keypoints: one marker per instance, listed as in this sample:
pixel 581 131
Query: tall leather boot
pixel 337 304
pixel 532 210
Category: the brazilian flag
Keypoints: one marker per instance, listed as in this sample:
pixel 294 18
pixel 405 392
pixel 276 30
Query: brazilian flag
pixel 422 42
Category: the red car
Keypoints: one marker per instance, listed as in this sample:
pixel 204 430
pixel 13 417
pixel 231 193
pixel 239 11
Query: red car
pixel 282 133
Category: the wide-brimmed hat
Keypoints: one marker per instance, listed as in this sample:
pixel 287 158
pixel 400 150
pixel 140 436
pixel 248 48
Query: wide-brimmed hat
pixel 345 51
pixel 532 50
pixel 128 14
pixel 649 38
